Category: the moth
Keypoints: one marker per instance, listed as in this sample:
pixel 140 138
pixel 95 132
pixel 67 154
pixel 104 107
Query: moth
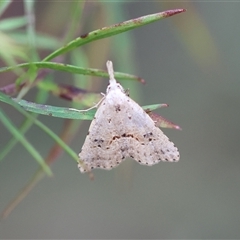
pixel 122 129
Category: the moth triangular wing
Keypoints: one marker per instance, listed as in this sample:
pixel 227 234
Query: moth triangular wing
pixel 120 129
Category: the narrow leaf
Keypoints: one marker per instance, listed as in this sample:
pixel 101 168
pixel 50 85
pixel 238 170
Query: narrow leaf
pixel 3 5
pixel 12 142
pixel 12 23
pixel 152 107
pixel 15 132
pixel 43 41
pixel 113 30
pixel 162 122
pixel 48 131
pixel 73 69
pixel 61 112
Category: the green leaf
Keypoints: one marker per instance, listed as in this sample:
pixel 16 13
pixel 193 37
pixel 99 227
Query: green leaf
pixel 12 23
pixel 43 41
pixel 8 100
pixel 12 142
pixel 30 75
pixel 3 5
pixel 112 30
pixel 11 50
pixel 73 69
pixel 15 132
pixel 61 112
pixel 68 113
pixel 41 96
pixel 30 31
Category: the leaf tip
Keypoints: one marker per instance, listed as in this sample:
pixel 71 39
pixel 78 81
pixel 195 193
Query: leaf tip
pixel 170 13
pixel 177 127
pixel 141 80
pixel 163 105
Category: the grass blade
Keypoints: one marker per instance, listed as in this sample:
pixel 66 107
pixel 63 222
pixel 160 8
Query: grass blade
pixel 112 30
pixel 13 23
pixel 47 130
pixel 15 132
pixel 4 5
pixel 73 69
pixel 62 112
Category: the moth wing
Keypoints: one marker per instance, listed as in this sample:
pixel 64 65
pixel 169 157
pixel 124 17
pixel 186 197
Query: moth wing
pixel 121 129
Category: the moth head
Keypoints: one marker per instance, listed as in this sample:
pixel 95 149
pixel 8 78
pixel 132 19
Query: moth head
pixel 115 87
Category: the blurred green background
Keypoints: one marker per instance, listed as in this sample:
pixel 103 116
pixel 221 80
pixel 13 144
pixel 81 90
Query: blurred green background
pixel 189 61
